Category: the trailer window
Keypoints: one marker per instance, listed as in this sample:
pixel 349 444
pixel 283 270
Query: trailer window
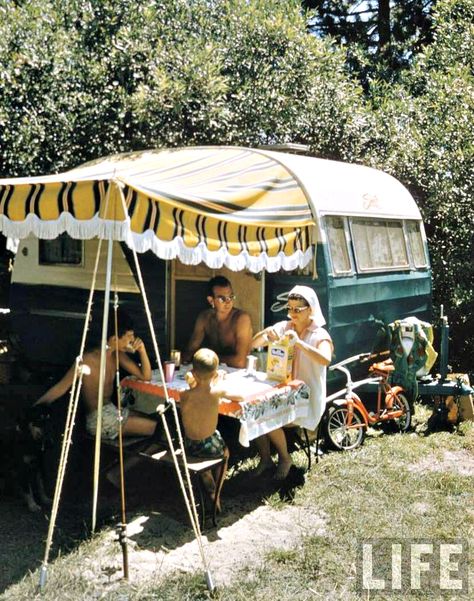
pixel 63 250
pixel 341 263
pixel 379 244
pixel 416 244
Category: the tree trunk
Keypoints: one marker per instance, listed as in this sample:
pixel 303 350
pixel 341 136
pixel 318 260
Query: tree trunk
pixel 383 27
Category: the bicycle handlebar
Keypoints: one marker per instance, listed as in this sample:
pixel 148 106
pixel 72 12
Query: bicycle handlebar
pixel 349 360
pixel 341 368
pixel 373 355
pixel 349 387
pixel 362 357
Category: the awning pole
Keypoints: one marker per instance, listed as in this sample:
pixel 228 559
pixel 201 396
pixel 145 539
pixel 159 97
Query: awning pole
pixel 122 527
pixel 100 400
pixel 189 501
pixel 73 404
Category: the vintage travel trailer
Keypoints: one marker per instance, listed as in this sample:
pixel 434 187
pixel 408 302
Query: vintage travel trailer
pixel 365 253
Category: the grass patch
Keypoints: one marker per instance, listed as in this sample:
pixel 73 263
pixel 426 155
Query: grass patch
pixel 391 487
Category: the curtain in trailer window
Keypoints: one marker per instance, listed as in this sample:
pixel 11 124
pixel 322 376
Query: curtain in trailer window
pixel 360 232
pixel 381 255
pixel 398 249
pixel 338 245
pixel 379 244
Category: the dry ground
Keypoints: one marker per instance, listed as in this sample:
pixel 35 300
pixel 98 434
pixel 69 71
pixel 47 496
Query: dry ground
pixel 161 539
pixel 254 523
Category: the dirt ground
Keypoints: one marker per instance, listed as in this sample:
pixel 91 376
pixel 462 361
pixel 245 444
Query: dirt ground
pixel 160 538
pixel 458 462
pixel 158 527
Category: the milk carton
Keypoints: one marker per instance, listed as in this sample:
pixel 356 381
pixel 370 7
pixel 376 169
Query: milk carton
pixel 280 359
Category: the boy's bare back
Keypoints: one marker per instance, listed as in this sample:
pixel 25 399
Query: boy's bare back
pixel 200 404
pixel 199 411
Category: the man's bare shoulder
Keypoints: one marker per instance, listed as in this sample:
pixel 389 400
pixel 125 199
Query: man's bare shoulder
pixel 241 316
pixel 204 317
pixel 91 357
pixel 242 322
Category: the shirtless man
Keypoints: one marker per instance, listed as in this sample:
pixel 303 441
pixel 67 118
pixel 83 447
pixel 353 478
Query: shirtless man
pixel 125 342
pixel 222 328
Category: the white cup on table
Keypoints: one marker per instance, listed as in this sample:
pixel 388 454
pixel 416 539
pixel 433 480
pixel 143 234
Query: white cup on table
pixel 170 366
pixel 251 365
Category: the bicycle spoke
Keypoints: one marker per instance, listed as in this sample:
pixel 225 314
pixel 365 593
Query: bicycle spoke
pixel 342 434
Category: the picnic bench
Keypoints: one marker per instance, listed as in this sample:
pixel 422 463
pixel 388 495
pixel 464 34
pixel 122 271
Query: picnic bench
pixel 158 453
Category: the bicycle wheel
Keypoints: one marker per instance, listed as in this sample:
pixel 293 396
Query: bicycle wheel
pixel 339 434
pixel 400 403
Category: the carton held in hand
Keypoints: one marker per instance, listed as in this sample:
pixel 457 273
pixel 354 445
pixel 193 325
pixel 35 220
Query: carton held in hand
pixel 280 359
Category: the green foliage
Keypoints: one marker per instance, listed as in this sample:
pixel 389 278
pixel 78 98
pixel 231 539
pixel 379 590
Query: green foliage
pixel 381 36
pixel 425 136
pixel 81 79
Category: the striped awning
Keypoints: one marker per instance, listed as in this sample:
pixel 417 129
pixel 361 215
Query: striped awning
pixel 238 207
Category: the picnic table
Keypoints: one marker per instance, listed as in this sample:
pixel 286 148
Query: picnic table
pixel 267 405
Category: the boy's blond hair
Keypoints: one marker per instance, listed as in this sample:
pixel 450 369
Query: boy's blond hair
pixel 205 362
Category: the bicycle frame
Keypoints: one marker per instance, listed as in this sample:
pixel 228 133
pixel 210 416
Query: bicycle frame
pixel 347 417
pixel 382 413
pixel 350 397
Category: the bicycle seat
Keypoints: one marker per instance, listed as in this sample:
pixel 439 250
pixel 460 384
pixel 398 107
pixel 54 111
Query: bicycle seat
pixel 383 368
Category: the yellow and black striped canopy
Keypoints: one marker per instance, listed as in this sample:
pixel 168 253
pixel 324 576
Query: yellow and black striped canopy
pixel 230 206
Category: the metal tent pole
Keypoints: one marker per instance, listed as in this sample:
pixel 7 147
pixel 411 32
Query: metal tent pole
pixel 100 400
pixel 73 404
pixel 122 527
pixel 189 501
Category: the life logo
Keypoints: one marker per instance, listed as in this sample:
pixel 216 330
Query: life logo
pixel 406 565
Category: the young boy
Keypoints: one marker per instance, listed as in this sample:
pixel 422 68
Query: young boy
pixel 124 342
pixel 199 413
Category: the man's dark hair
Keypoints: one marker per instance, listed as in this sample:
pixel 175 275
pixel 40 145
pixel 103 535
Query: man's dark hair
pixel 124 323
pixel 218 280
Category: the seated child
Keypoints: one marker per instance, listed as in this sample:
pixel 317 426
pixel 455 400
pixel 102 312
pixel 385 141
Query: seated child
pixel 199 413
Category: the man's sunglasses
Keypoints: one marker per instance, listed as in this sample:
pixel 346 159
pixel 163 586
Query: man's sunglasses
pixel 295 309
pixel 225 299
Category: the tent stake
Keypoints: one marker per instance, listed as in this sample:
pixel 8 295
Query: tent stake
pixel 210 584
pixel 122 539
pixel 43 577
pixel 122 526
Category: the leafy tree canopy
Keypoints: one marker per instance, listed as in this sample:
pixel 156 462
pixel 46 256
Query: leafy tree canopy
pixel 81 79
pixel 425 136
pixel 380 36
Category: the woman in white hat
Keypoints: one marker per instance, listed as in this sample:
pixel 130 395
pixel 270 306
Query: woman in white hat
pixel 313 352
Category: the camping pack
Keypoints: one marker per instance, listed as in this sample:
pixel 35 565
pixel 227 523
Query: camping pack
pixel 412 352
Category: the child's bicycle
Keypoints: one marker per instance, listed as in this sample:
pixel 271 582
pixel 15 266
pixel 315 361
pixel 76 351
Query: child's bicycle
pixel 346 418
